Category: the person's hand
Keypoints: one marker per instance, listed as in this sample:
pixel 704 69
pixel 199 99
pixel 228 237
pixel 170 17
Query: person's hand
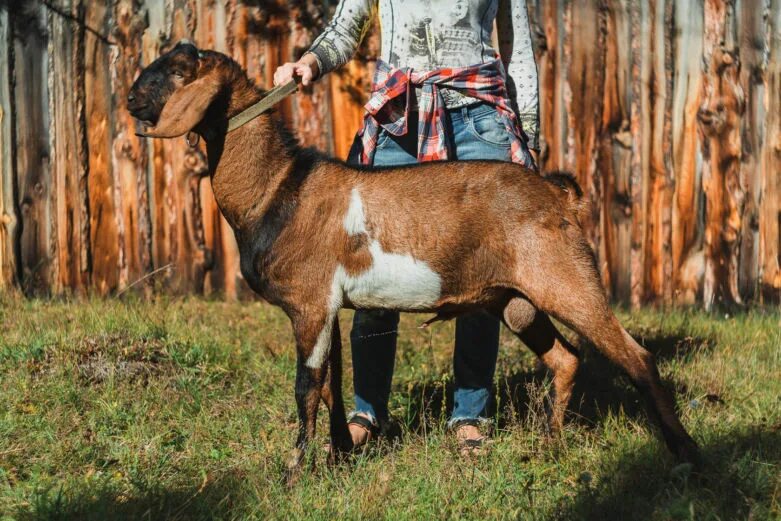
pixel 305 68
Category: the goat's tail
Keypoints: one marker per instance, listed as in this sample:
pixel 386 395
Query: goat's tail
pixel 574 194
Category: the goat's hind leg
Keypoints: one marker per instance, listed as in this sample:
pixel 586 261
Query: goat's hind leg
pixel 535 329
pixel 570 290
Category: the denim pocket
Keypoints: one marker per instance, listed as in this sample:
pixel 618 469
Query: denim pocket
pixel 487 126
pixel 383 137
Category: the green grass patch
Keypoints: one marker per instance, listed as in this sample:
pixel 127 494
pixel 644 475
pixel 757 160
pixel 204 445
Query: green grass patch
pixel 184 409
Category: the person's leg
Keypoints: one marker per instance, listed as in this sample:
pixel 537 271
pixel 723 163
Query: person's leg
pixel 373 341
pixel 374 333
pixel 477 133
pixel 474 363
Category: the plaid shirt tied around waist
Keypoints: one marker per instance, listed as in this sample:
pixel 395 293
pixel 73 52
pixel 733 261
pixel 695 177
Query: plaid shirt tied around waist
pixel 389 107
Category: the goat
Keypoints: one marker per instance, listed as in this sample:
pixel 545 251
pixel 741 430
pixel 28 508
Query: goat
pixel 316 235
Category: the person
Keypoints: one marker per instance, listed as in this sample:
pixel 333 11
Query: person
pixel 440 75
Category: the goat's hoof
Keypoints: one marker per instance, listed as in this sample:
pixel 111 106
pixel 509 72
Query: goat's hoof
pixel 339 453
pixel 687 451
pixel 553 431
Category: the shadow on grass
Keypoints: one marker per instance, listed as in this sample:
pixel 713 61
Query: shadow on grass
pixel 737 481
pixel 601 389
pixel 217 500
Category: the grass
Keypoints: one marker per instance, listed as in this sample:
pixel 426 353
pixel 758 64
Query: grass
pixel 183 409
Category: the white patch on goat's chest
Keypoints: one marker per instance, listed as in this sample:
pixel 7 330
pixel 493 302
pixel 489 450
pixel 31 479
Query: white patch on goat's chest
pixel 393 281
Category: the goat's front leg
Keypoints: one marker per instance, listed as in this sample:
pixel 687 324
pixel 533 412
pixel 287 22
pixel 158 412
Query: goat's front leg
pixel 309 383
pixel 341 441
pixel 313 342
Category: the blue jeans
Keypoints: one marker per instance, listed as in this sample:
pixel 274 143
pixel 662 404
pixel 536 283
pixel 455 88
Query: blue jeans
pixel 475 133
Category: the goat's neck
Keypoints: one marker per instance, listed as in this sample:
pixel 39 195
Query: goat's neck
pixel 247 166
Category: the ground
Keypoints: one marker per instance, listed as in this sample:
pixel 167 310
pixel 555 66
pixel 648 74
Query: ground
pixel 184 409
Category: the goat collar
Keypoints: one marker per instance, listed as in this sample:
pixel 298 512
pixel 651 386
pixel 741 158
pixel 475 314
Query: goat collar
pixel 271 98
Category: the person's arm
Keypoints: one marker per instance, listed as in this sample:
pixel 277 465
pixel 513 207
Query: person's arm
pixel 334 47
pixel 515 47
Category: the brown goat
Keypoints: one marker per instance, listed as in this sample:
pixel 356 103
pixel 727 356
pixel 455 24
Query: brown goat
pixel 317 235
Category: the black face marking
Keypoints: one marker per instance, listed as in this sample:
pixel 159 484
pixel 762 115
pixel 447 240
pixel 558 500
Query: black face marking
pixel 160 79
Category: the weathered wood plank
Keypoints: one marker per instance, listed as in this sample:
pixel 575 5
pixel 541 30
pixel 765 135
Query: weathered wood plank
pixel 615 155
pixel 753 54
pixel 32 148
pixel 128 153
pixel 104 230
pixel 312 107
pixel 551 72
pixel 585 81
pixel 158 170
pixel 8 215
pixel 639 127
pixel 69 163
pixel 687 258
pixel 770 188
pixel 658 179
pixel 349 92
pixel 719 118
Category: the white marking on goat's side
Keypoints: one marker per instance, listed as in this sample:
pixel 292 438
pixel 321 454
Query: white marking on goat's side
pixel 393 281
pixel 355 220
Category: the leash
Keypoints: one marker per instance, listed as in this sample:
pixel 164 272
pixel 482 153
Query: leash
pixel 271 98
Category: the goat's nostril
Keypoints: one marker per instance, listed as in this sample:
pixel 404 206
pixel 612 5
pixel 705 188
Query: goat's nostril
pixel 131 97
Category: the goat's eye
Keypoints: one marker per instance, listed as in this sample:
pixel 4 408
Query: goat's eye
pixel 178 74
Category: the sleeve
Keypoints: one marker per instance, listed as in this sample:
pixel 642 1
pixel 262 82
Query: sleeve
pixel 515 47
pixel 340 39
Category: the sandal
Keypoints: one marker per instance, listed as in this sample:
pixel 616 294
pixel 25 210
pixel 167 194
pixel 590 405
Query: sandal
pixel 368 425
pixel 469 446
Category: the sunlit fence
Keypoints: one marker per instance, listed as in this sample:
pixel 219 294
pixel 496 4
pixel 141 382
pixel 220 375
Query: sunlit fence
pixel 669 113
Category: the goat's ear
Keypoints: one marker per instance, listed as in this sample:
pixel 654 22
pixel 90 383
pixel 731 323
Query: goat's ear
pixel 185 108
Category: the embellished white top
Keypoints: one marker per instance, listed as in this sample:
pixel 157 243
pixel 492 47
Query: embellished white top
pixel 432 34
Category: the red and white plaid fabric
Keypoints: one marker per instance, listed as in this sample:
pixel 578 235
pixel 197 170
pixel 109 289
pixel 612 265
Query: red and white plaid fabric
pixel 389 107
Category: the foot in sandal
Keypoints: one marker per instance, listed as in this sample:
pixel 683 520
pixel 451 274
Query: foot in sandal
pixel 363 429
pixel 471 441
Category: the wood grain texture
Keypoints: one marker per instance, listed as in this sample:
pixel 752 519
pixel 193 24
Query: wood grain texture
pixel 719 116
pixel 687 257
pixel 585 78
pixel 667 111
pixel 615 155
pixel 32 120
pixel 8 198
pixel 69 164
pixel 639 127
pixel 128 151
pixel 103 222
pixel 752 25
pixel 770 185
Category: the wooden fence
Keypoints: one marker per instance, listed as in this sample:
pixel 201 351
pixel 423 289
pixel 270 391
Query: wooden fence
pixel 669 113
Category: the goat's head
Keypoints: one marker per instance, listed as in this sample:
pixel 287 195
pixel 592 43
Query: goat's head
pixel 174 93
